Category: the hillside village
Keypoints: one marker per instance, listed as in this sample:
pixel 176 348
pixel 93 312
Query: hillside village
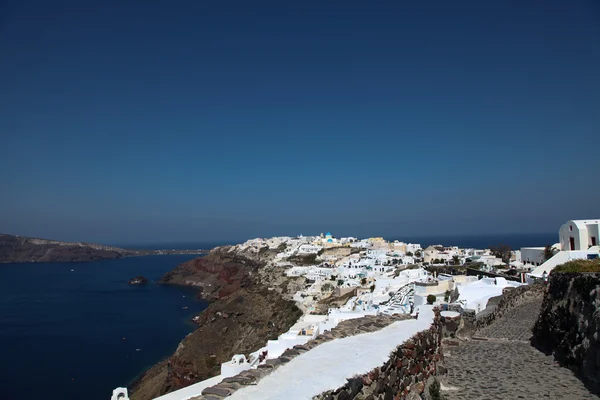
pixel 348 278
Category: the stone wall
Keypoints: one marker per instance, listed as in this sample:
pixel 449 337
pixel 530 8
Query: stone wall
pixel 408 373
pixel 511 297
pixel 569 324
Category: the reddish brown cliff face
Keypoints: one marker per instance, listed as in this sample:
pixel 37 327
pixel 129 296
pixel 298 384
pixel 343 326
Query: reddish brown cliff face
pixel 243 315
pixel 217 275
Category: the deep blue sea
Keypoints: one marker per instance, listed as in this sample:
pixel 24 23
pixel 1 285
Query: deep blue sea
pixel 62 332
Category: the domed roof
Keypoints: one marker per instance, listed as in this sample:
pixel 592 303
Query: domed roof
pixel 328 234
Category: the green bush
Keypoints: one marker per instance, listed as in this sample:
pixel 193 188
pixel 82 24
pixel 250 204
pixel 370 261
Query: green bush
pixel 447 296
pixel 431 299
pixel 327 287
pixel 435 391
pixel 579 266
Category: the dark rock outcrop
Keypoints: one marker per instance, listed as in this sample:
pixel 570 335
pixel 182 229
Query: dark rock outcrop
pixel 569 324
pixel 138 280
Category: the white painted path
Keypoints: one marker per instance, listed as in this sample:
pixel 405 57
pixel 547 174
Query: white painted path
pixel 191 391
pixel 327 366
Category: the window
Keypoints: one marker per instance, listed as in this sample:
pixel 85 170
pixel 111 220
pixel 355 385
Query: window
pixel 571 227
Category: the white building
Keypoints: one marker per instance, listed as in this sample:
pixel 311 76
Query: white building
pixel 432 253
pixel 578 241
pixel 532 256
pixel 413 247
pixel 579 234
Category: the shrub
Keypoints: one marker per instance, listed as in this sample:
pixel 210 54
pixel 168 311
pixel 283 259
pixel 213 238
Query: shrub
pixel 327 287
pixel 446 296
pixel 211 362
pixel 475 265
pixel 372 288
pixel 434 391
pixel 431 299
pixel 579 266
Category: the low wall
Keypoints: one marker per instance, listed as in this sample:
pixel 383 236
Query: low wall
pixel 409 371
pixel 569 324
pixel 496 307
pixel 511 297
pixel 477 272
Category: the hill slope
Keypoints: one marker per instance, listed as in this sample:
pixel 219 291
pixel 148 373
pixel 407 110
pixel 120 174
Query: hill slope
pixel 17 249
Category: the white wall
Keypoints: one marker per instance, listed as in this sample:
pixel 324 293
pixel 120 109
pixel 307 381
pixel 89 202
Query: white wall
pixel 230 369
pixel 581 231
pixel 276 348
pixel 532 255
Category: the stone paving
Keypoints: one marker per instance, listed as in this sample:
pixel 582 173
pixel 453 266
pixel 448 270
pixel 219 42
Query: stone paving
pixel 500 363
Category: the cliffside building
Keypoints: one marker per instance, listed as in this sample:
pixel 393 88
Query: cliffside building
pixel 579 234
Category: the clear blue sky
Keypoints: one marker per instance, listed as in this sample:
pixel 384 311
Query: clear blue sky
pixel 148 121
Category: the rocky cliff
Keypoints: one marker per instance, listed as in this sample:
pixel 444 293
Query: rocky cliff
pixel 246 311
pixel 569 324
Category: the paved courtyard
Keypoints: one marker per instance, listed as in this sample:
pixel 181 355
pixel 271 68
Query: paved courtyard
pixel 500 363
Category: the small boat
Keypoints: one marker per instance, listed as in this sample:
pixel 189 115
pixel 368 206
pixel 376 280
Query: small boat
pixel 72 270
pixel 138 349
pixel 184 307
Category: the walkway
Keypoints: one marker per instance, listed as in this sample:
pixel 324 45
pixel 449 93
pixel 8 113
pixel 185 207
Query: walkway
pixel 328 365
pixel 500 363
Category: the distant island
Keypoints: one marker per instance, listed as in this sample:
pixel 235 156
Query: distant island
pixel 20 249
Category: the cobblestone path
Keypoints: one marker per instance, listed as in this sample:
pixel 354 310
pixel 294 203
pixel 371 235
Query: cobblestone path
pixel 499 363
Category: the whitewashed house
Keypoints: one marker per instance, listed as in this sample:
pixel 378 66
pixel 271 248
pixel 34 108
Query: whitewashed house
pixel 579 234
pixel 578 241
pixel 532 256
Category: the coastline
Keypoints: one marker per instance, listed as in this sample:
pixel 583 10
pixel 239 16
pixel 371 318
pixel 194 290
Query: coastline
pixel 242 314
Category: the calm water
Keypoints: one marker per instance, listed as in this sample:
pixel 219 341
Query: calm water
pixel 61 332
